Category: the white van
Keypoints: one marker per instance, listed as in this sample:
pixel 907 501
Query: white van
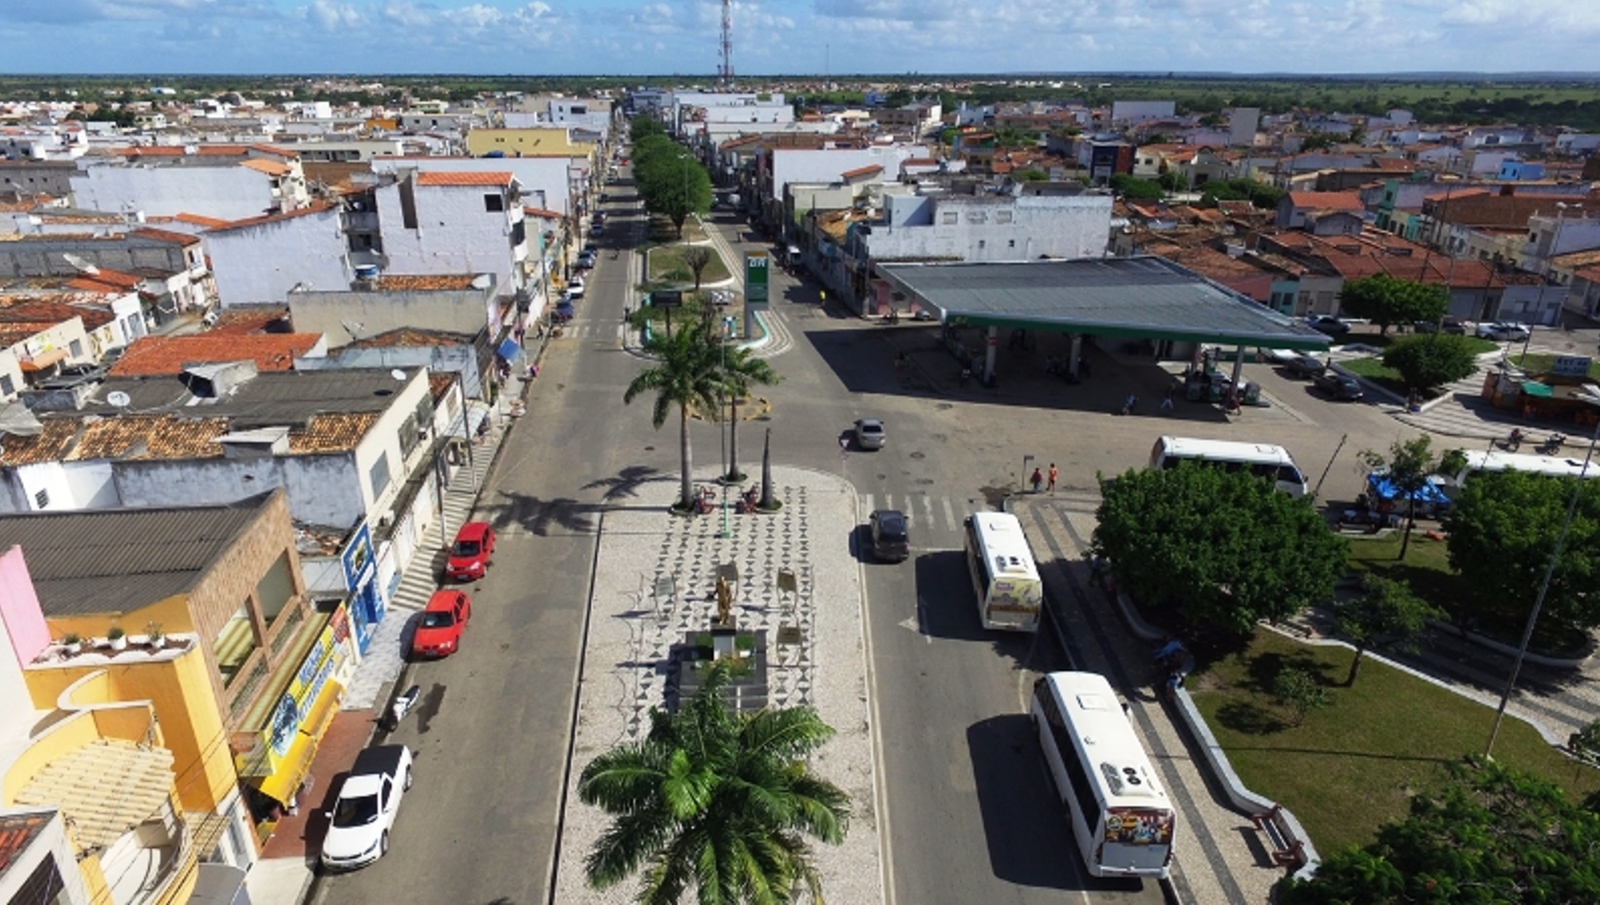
pixel 1261 459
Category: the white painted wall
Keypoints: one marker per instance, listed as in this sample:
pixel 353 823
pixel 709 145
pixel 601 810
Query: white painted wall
pixel 1066 227
pixel 543 178
pixel 819 165
pixel 225 192
pixel 454 233
pixel 261 263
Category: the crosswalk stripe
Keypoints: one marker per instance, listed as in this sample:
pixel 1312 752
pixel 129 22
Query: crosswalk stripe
pixel 950 515
pixel 866 502
pixel 927 510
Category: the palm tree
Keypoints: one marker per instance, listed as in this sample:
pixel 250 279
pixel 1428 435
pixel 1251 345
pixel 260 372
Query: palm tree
pixel 685 375
pixel 738 370
pixel 716 800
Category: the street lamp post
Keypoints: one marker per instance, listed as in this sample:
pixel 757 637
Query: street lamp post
pixel 1590 395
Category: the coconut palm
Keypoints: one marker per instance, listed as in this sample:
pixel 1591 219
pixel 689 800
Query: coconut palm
pixel 685 375
pixel 738 370
pixel 717 801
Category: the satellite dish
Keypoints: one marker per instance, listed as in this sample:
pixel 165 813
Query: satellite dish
pixel 118 398
pixel 398 374
pixel 80 264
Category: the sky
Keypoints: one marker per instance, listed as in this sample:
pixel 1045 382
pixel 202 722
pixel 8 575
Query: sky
pixel 837 37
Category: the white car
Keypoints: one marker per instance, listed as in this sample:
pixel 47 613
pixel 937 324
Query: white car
pixel 364 812
pixel 870 434
pixel 575 288
pixel 1503 330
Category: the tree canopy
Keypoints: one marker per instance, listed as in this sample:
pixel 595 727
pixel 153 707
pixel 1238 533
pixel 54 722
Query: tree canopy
pixel 1431 359
pixel 1222 549
pixel 715 801
pixel 685 375
pixel 1502 530
pixel 1386 614
pixel 1408 465
pixel 670 180
pixel 1492 836
pixel 1137 189
pixel 1387 301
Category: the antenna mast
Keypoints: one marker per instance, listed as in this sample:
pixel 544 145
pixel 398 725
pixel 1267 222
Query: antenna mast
pixel 725 69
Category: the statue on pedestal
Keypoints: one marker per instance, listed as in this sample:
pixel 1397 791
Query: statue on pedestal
pixel 724 602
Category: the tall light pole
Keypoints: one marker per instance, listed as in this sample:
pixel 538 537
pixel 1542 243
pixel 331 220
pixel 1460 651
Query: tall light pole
pixel 1591 395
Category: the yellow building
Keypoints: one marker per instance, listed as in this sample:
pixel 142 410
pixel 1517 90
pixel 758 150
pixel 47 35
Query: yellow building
pixel 536 142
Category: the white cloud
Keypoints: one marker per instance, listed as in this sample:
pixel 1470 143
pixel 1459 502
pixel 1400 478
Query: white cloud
pixel 331 15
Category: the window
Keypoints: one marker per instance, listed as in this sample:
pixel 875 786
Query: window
pixel 379 475
pixel 949 218
pixel 234 644
pixel 494 203
pixel 408 436
pixel 1011 243
pixel 977 217
pixel 275 590
pixel 982 243
pixel 7 385
pixel 1002 216
pixel 41 500
pixel 75 348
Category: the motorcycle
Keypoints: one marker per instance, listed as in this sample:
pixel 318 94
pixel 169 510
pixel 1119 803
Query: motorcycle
pixel 1513 442
pixel 1552 445
pixel 402 705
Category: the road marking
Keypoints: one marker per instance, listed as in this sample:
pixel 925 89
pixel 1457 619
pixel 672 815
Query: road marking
pixel 950 516
pixel 866 502
pixel 927 509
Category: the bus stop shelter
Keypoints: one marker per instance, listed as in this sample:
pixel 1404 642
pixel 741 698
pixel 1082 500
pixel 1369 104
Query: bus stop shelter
pixel 1143 298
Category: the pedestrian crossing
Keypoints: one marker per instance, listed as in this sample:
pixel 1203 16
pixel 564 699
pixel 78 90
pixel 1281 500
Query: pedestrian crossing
pixel 935 515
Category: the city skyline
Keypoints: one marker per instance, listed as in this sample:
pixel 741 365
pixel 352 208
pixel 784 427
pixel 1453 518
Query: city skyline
pixel 826 37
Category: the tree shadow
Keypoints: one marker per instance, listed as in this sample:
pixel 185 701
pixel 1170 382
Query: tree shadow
pixel 543 517
pixel 1250 719
pixel 626 483
pixel 1264 669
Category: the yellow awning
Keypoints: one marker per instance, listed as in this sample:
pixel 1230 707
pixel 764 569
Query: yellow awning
pixel 105 789
pixel 291 772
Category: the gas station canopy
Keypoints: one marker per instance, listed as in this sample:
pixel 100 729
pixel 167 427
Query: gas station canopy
pixel 1143 297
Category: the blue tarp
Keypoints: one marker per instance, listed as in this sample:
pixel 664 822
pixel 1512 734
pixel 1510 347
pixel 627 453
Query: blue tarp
pixel 1384 489
pixel 509 350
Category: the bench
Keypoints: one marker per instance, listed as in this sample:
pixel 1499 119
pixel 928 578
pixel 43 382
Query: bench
pixel 1286 851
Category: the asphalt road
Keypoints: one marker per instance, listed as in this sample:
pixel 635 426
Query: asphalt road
pixel 969 816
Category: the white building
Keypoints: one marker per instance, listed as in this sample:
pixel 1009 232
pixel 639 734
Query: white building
pixel 454 222
pixel 261 259
pixel 830 164
pixel 229 182
pixel 990 227
pixel 550 183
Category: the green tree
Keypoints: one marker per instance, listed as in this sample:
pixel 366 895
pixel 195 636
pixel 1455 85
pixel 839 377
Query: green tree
pixel 1408 466
pixel 1300 691
pixel 1502 530
pixel 739 369
pixel 1386 301
pixel 1492 836
pixel 685 375
pixel 1385 615
pixel 1031 175
pixel 697 258
pixel 715 801
pixel 671 182
pixel 642 126
pixel 1431 360
pixel 1223 549
pixel 1137 189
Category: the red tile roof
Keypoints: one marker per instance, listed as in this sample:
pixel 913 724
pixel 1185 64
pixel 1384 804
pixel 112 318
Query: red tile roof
pixel 106 279
pixel 448 178
pixel 315 208
pixel 862 171
pixel 1326 201
pixel 152 355
pixel 251 320
pixel 198 220
pixel 166 235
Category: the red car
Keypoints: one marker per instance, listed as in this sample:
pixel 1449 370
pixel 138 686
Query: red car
pixel 439 632
pixel 471 554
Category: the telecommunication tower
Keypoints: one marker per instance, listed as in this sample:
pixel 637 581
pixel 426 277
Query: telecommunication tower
pixel 725 68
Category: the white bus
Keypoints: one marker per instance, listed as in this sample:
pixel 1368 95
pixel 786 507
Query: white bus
pixel 1261 459
pixel 1120 814
pixel 1482 462
pixel 1003 574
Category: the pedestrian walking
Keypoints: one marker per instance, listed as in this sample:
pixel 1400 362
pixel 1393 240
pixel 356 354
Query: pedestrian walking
pixel 1053 475
pixel 1166 401
pixel 1036 480
pixel 1129 403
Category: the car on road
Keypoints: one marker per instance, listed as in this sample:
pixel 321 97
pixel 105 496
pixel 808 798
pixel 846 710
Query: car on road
pixel 599 229
pixel 1339 384
pixel 1501 331
pixel 586 261
pixel 870 433
pixel 890 540
pixel 1452 325
pixel 1303 365
pixel 575 287
pixel 1327 323
pixel 438 633
pixel 364 812
pixel 472 553
pixel 600 216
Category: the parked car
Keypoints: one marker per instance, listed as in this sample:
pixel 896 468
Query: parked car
pixel 364 812
pixel 890 540
pixel 600 216
pixel 599 229
pixel 472 553
pixel 575 287
pixel 438 633
pixel 870 434
pixel 1503 331
pixel 1327 323
pixel 1339 384
pixel 1449 324
pixel 1304 365
pixel 586 261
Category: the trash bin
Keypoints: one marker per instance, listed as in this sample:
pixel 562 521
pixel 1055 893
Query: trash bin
pixel 1252 393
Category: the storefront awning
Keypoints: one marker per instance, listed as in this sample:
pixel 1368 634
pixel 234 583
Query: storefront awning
pixel 104 789
pixel 1535 388
pixel 291 772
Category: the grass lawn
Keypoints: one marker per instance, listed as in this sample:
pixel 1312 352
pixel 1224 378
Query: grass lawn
pixel 666 265
pixel 1426 566
pixel 661 230
pixel 1353 765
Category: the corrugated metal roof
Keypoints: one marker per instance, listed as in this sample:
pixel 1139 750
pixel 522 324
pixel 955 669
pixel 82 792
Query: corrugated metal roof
pixel 105 789
pixel 117 560
pixel 1133 297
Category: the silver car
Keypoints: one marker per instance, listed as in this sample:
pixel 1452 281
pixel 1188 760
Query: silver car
pixel 870 434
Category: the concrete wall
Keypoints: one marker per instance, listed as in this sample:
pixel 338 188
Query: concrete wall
pixel 51 844
pixel 66 486
pixel 809 165
pixel 1134 111
pixel 1065 227
pixel 321 489
pixel 383 441
pixel 454 233
pixel 47 257
pixel 543 179
pixel 24 625
pixel 261 263
pixel 466 312
pixel 459 359
pixel 226 192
